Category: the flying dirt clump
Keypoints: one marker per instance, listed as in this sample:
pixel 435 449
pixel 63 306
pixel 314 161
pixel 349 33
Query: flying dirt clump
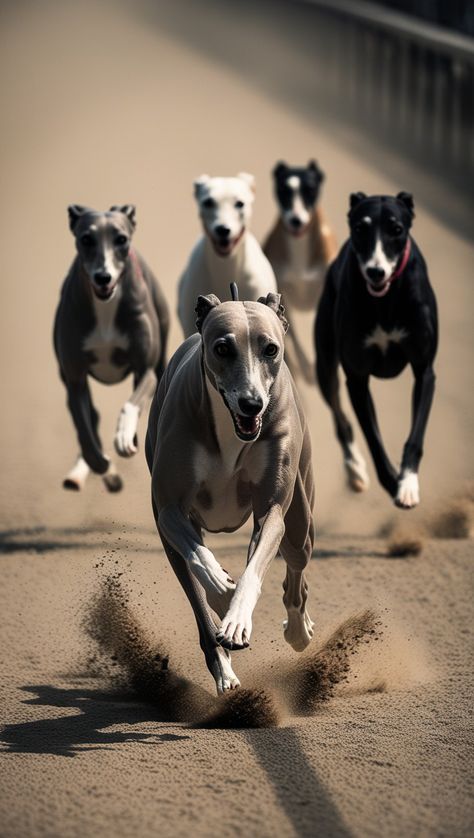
pixel 313 678
pixel 143 667
pixel 404 541
pixel 454 520
pixel 243 708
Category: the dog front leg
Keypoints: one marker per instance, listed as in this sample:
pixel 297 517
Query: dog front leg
pixel 365 411
pixel 217 660
pixel 125 439
pixel 85 421
pixel 408 492
pixel 236 626
pixel 181 535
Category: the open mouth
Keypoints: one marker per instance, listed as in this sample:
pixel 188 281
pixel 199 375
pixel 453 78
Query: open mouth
pixel 225 247
pixel 247 428
pixel 297 232
pixel 104 293
pixel 378 290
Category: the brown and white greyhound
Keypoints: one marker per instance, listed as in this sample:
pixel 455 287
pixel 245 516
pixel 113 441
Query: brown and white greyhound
pixel 112 320
pixel 227 438
pixel 300 247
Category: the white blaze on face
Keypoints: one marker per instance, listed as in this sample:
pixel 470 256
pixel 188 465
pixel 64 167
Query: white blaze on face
pixel 379 259
pixel 297 209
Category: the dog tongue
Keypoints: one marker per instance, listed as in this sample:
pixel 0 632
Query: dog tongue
pixel 249 424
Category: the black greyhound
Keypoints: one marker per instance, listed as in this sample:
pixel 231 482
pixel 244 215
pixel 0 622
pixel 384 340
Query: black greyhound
pixel 376 315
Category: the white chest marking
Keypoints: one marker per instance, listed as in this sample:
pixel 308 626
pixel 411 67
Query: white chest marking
pixel 382 339
pixel 105 338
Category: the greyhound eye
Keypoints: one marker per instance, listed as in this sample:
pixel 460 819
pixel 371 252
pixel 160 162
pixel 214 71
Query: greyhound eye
pixel 222 350
pixel 121 240
pixel 395 229
pixel 360 228
pixel 209 203
pixel 271 350
pixel 87 240
pixel 239 205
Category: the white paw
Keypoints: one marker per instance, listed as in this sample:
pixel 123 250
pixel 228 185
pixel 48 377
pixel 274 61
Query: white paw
pixel 408 491
pixel 298 629
pixel 236 627
pixel 76 478
pixel 209 573
pixel 222 672
pixel 357 475
pixel 125 434
pixel 112 479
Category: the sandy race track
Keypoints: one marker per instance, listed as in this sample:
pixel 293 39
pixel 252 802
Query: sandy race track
pixel 105 103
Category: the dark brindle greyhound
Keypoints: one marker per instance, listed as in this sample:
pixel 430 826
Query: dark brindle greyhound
pixel 112 320
pixel 377 314
pixel 227 438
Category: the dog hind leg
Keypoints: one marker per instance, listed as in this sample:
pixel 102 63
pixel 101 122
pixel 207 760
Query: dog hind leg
pixel 328 379
pixel 77 476
pixel 296 548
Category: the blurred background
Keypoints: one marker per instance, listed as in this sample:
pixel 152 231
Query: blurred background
pixel 114 102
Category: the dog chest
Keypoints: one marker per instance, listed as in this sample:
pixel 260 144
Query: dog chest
pixel 106 344
pixel 382 338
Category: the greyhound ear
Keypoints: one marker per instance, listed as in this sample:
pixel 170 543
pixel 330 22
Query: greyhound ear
pixel 199 183
pixel 313 167
pixel 355 198
pixel 203 307
pixel 273 302
pixel 407 200
pixel 74 212
pixel 248 179
pixel 128 210
pixel 280 169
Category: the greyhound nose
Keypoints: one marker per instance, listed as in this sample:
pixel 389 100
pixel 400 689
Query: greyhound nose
pixel 250 406
pixel 377 274
pixel 295 222
pixel 222 231
pixel 102 277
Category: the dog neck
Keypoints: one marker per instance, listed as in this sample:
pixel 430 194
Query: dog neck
pixel 227 268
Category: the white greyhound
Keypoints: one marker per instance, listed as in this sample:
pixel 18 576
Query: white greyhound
pixel 227 252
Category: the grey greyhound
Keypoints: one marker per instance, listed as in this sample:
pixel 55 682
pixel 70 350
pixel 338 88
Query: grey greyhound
pixel 227 438
pixel 112 320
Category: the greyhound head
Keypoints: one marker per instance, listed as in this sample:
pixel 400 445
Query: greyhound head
pixel 225 207
pixel 379 227
pixel 242 353
pixel 297 191
pixel 103 243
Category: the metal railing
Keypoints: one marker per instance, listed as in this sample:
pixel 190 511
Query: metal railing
pixel 409 82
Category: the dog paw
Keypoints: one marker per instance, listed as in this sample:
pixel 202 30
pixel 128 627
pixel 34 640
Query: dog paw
pixel 236 628
pixel 75 479
pixel 222 672
pixel 356 470
pixel 298 630
pixel 209 573
pixel 112 480
pixel 408 490
pixel 125 440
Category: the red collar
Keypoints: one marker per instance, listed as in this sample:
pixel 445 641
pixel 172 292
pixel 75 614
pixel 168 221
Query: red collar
pixel 406 255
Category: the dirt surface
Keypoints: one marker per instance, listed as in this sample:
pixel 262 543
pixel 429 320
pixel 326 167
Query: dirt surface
pixel 109 103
